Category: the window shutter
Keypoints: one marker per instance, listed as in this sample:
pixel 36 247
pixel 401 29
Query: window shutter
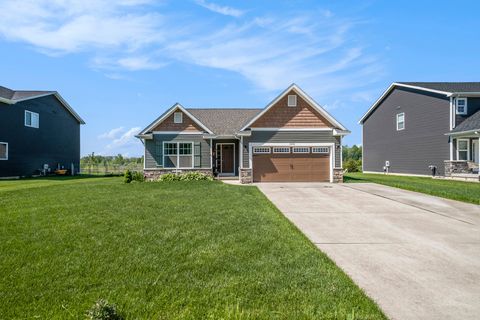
pixel 197 153
pixel 158 152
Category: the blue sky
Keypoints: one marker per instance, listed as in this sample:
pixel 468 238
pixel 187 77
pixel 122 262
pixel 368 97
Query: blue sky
pixel 122 63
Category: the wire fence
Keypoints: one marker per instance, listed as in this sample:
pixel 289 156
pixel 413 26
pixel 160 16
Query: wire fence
pixel 109 169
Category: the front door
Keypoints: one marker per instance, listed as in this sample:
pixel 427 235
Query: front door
pixel 475 151
pixel 227 158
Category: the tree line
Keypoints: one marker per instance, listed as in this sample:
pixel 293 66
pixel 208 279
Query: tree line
pixel 352 158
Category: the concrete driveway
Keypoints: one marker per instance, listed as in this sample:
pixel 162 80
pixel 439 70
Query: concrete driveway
pixel 417 256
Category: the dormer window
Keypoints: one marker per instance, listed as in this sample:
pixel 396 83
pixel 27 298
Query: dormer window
pixel 292 100
pixel 178 117
pixel 461 105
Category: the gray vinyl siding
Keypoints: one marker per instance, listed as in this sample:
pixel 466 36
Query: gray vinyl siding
pixel 154 150
pixel 473 105
pixel 423 141
pixel 55 142
pixel 291 137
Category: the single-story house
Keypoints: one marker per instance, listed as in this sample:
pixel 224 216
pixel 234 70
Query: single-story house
pixel 292 139
pixel 416 126
pixel 39 133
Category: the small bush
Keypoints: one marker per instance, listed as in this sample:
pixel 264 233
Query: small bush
pixel 352 165
pixel 138 176
pixel 195 176
pixel 188 176
pixel 127 177
pixel 169 177
pixel 102 310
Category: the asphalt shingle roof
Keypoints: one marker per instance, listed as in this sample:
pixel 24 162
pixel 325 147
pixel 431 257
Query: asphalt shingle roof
pixel 469 124
pixel 224 121
pixel 447 86
pixel 10 94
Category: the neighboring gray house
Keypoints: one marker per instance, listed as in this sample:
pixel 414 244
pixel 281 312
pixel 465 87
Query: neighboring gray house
pixel 292 139
pixel 415 125
pixel 39 131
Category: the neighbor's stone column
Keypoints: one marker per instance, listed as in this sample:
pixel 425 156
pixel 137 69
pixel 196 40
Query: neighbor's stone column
pixel 246 175
pixel 455 166
pixel 337 175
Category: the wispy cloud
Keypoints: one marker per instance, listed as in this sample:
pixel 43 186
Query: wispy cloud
pixel 317 49
pixel 112 134
pixel 122 141
pixel 225 10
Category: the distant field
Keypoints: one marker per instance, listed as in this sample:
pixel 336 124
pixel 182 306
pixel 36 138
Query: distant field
pixel 450 189
pixel 182 250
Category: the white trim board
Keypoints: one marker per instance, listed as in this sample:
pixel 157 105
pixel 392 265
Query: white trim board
pixel 398 174
pixel 168 113
pixel 306 97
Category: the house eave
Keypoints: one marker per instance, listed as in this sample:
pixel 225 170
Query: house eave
pixel 393 86
pixel 461 133
pixel 56 94
pixel 168 113
pixel 144 136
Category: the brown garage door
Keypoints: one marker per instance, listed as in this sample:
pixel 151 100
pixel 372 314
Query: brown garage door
pixel 298 167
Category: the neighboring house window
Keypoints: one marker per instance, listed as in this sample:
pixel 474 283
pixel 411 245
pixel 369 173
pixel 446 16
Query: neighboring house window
pixel 292 100
pixel 301 149
pixel 3 151
pixel 178 117
pixel 463 149
pixel 261 150
pixel 32 119
pixel 281 150
pixel 400 121
pixel 178 155
pixel 461 105
pixel 319 149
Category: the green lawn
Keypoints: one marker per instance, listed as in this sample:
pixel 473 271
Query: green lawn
pixel 198 250
pixel 450 189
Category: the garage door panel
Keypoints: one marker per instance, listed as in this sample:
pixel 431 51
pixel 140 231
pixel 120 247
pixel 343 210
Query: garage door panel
pixel 291 167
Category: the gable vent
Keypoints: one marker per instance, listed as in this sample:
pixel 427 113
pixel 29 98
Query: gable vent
pixel 292 100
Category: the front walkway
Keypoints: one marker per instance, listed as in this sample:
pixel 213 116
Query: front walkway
pixel 416 255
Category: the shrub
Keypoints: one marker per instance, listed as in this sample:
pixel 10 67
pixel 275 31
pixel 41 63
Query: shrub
pixel 169 177
pixel 138 176
pixel 188 176
pixel 102 310
pixel 127 177
pixel 195 176
pixel 353 165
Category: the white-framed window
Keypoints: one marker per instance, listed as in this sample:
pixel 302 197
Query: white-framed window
pixel 400 121
pixel 261 150
pixel 178 155
pixel 463 149
pixel 32 119
pixel 461 105
pixel 320 149
pixel 3 151
pixel 178 117
pixel 301 150
pixel 281 149
pixel 292 100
